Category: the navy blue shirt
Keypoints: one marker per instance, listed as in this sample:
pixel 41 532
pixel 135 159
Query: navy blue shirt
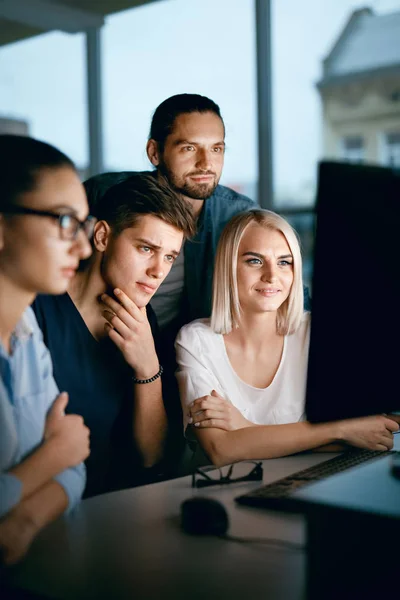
pixel 100 388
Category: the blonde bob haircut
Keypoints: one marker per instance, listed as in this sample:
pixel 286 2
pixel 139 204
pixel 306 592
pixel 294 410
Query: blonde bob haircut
pixel 226 309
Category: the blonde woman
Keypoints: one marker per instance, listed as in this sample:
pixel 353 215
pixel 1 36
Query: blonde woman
pixel 242 373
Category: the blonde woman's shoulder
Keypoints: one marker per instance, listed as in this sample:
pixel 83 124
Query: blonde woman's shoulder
pixel 199 327
pixel 197 334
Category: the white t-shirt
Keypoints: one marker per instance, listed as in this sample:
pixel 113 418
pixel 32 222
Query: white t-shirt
pixel 204 365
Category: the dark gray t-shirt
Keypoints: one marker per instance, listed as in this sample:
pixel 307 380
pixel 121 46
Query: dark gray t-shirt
pixel 167 301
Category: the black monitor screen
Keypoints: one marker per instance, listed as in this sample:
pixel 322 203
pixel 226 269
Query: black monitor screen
pixel 354 366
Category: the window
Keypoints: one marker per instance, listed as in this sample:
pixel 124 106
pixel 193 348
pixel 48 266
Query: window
pixel 42 91
pixel 156 51
pixel 353 149
pixel 392 149
pixel 312 117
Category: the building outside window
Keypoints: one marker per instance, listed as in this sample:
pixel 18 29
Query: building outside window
pixel 359 88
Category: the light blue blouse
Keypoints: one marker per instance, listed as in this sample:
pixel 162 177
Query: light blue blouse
pixel 27 391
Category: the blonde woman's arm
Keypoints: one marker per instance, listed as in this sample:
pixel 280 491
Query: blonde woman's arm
pixel 196 381
pixel 226 416
pixel 272 441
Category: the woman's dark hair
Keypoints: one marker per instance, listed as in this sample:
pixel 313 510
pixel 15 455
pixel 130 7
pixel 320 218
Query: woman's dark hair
pixel 21 160
pixel 165 114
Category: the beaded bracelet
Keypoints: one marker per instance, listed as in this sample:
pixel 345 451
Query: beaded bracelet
pixel 151 379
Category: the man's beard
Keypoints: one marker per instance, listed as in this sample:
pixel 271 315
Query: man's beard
pixel 196 191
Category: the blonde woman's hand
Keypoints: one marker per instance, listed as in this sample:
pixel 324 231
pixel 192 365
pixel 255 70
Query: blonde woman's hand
pixel 373 433
pixel 215 411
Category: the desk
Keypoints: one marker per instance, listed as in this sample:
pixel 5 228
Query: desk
pixel 129 544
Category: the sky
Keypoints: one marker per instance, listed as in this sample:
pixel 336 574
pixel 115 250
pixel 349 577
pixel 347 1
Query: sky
pixel 174 46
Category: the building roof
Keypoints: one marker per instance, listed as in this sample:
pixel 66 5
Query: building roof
pixel 21 19
pixel 368 44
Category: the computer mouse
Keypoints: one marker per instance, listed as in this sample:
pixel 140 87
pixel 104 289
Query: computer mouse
pixel 204 516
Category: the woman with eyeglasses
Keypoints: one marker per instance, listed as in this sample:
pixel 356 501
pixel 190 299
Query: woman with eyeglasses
pixel 242 373
pixel 44 230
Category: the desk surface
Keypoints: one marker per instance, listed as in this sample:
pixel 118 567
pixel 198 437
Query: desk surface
pixel 129 544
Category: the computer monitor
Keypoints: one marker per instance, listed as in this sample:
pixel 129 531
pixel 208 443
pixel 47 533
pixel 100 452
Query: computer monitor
pixel 354 361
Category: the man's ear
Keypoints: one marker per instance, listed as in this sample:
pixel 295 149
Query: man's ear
pixel 153 153
pixel 101 235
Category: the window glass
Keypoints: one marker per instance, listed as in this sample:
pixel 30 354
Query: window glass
pixel 43 91
pixel 353 149
pixel 337 78
pixel 392 149
pixel 336 95
pixel 166 48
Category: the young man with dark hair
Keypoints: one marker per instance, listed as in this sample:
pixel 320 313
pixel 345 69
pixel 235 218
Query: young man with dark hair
pixel 101 333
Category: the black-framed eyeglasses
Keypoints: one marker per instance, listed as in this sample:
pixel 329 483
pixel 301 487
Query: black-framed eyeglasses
pixel 69 225
pixel 217 477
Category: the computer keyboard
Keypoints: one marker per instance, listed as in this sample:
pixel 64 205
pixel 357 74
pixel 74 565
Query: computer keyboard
pixel 282 488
